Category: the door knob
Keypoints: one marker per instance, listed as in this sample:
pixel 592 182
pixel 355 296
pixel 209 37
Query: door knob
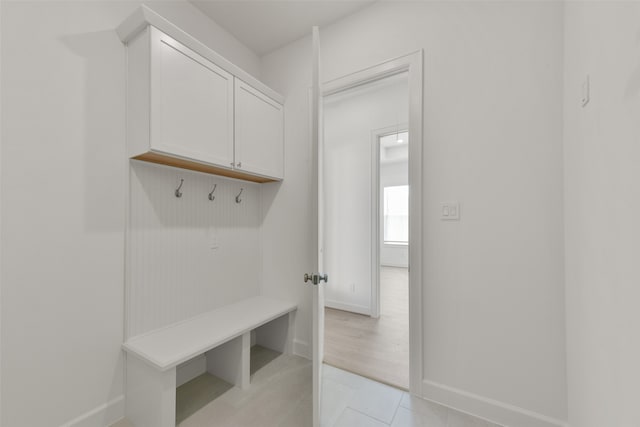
pixel 315 278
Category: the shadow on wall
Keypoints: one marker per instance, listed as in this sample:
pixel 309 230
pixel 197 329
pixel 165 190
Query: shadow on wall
pixel 633 85
pixel 269 193
pixel 104 139
pixel 103 142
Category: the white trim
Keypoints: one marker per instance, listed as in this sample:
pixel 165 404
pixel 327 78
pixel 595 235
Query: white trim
pixel 395 245
pixel 385 69
pixel 485 408
pixel 354 308
pixel 104 415
pixel 412 64
pixel 302 349
pixel 143 16
pixel 394 265
pixel 376 209
pixel 375 222
pixel 1 133
pixel 416 357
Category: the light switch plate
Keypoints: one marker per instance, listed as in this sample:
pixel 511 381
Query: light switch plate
pixel 450 211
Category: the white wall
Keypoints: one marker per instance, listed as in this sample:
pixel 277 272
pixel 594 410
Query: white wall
pixel 350 118
pixel 393 174
pixel 493 287
pixel 63 201
pixel 601 161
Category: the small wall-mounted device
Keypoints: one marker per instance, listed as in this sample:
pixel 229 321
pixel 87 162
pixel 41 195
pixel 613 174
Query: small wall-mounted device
pixel 586 91
pixel 450 211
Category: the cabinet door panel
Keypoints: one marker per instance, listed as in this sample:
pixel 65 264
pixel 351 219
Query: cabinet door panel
pixel 191 104
pixel 259 143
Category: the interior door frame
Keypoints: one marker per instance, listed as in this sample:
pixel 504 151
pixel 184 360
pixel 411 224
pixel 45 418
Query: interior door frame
pixel 376 213
pixel 412 64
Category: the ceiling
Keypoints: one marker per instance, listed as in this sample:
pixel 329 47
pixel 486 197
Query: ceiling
pixel 265 25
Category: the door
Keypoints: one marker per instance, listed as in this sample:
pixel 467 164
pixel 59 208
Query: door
pixel 259 129
pixel 318 291
pixel 191 104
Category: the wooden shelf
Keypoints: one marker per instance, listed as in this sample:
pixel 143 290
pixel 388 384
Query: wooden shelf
pixel 164 159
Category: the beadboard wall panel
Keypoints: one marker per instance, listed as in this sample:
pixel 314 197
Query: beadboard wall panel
pixel 188 255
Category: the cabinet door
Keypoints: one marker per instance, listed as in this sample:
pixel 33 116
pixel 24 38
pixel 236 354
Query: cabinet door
pixel 259 132
pixel 191 104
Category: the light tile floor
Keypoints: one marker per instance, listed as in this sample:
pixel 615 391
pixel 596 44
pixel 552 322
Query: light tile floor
pixel 280 395
pixel 350 400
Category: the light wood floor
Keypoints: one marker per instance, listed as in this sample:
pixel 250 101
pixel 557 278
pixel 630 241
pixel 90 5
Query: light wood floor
pixel 374 348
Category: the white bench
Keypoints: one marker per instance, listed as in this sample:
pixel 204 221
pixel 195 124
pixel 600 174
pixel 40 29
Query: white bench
pixel 224 335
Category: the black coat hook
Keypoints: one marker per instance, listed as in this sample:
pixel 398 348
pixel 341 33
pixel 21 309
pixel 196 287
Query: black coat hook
pixel 238 199
pixel 178 193
pixel 211 196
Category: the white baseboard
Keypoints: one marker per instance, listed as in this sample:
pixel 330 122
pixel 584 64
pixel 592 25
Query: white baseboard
pixel 491 410
pixel 102 416
pixel 302 349
pixel 393 264
pixel 354 308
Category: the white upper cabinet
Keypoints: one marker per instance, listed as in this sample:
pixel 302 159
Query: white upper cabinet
pixel 191 104
pixel 189 107
pixel 259 124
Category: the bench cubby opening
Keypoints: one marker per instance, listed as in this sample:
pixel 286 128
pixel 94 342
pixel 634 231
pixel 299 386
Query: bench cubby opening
pixel 208 376
pixel 177 370
pixel 268 342
pixel 197 393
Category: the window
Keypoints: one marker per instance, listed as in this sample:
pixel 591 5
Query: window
pixel 396 215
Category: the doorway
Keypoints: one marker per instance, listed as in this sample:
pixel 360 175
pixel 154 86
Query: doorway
pixel 366 213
